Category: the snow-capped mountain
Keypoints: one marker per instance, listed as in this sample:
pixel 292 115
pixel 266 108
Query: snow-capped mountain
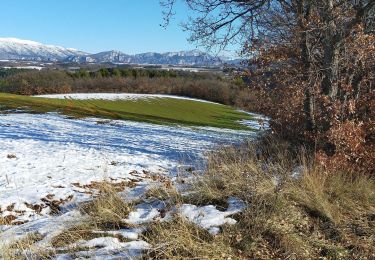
pixel 195 57
pixel 112 56
pixel 16 49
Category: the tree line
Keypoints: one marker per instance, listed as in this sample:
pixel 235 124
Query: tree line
pixel 209 86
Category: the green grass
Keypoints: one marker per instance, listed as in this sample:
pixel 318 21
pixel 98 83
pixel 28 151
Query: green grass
pixel 168 111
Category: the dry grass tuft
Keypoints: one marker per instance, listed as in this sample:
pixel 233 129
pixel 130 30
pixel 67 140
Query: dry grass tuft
pixel 25 248
pixel 105 212
pixel 334 197
pixel 109 206
pixel 241 172
pixel 180 239
pixel 164 192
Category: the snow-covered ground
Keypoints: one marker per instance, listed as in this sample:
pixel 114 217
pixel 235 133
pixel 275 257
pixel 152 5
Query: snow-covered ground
pixel 52 154
pixel 111 247
pixel 49 157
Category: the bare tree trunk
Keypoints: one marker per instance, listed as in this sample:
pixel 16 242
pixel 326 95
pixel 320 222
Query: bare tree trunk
pixel 303 12
pixel 309 107
pixel 331 52
pixel 330 84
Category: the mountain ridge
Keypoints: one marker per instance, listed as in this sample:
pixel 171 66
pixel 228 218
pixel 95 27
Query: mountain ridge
pixel 17 49
pixel 26 50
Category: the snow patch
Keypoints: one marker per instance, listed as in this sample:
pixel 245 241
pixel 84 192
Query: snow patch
pixel 117 96
pixel 112 248
pixel 209 217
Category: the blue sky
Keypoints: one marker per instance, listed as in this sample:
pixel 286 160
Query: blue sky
pixel 131 26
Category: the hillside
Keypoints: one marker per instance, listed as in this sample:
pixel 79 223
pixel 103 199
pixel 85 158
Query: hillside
pixel 16 49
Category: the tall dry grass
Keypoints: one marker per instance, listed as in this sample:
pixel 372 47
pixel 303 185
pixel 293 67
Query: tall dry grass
pixel 316 214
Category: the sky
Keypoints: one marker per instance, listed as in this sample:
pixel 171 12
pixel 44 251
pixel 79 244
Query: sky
pixel 131 26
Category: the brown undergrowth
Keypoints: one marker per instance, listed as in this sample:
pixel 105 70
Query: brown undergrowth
pixel 292 212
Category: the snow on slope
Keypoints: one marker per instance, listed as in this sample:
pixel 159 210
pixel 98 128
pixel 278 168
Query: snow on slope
pixel 12 48
pixel 53 153
pixel 117 96
pixel 51 156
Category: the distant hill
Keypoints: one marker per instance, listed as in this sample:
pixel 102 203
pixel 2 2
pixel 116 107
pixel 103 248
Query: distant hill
pixel 16 49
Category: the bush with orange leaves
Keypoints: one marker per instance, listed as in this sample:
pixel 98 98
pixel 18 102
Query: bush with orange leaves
pixel 340 128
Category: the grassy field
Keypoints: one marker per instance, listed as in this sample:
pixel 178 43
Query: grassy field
pixel 156 110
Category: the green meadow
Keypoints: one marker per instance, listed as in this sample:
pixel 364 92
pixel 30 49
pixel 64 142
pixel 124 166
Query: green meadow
pixel 168 111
